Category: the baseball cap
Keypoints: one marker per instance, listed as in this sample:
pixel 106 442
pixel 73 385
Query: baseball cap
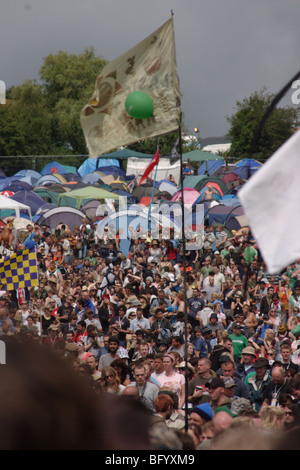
pixel 206 330
pixel 229 382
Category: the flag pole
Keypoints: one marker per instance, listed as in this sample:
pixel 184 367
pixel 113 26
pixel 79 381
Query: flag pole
pixel 153 190
pixel 184 279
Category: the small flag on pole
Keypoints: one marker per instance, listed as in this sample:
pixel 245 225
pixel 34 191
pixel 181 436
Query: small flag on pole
pixel 19 270
pixel 150 167
pixel 270 199
pixel 148 68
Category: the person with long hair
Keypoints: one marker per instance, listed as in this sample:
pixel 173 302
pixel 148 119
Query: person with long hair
pixel 59 255
pixel 272 418
pixel 122 371
pixel 111 382
pixel 171 252
pixel 155 251
pixel 268 342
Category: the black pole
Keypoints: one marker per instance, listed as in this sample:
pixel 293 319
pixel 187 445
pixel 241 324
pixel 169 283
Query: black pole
pixel 254 142
pixel 273 103
pixel 184 283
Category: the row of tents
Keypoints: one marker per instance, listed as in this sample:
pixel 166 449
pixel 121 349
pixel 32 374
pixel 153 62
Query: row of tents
pixel 100 186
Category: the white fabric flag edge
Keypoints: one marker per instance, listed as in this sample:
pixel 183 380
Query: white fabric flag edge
pixel 270 200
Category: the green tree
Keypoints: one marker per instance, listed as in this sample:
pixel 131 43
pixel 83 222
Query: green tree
pixel 279 126
pixel 25 126
pixel 68 83
pixel 33 117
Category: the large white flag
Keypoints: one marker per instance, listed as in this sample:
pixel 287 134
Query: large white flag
pixel 149 67
pixel 271 199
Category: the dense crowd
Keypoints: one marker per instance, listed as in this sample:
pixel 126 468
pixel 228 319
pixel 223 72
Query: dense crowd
pixel 119 322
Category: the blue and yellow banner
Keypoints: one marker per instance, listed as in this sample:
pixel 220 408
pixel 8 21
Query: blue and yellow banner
pixel 19 270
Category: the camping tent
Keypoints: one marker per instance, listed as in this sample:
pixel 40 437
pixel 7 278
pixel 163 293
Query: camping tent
pixel 191 181
pixel 222 169
pixel 30 198
pixel 137 166
pixel 47 179
pixel 112 170
pixel 144 190
pixel 6 203
pixel 200 156
pixel 190 196
pixel 210 166
pixel 67 215
pixel 124 154
pixel 46 194
pixel 231 179
pixel 129 220
pixel 55 167
pixel 79 197
pixel 91 164
pixel 216 183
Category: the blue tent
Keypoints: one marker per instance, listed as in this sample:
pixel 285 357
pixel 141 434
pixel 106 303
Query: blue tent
pixel 31 199
pixel 210 166
pixel 32 173
pixel 6 181
pixel 107 162
pixel 92 164
pixel 131 199
pixel 72 177
pixel 46 179
pixel 18 186
pixel 249 162
pixel 55 167
pixel 230 200
pixel 244 172
pixel 112 170
pixel 246 167
pixel 92 177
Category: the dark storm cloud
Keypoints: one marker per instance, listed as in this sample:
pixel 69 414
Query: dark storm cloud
pixel 226 49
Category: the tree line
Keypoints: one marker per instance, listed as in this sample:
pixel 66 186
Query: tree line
pixel 42 118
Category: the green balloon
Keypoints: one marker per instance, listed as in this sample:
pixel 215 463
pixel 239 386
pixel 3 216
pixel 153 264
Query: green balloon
pixel 139 105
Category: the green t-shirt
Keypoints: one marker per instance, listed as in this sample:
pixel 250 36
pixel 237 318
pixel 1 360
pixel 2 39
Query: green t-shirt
pixel 224 253
pixel 249 254
pixel 292 281
pixel 238 343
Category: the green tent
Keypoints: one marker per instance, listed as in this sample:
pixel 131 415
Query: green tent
pixel 79 197
pixel 213 180
pixel 191 181
pixel 200 156
pixel 70 169
pixel 125 154
pixel 47 194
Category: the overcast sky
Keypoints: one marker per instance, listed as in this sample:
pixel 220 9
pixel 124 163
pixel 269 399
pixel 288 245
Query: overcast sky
pixel 226 49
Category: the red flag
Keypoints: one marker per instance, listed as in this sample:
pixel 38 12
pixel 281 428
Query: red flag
pixel 151 166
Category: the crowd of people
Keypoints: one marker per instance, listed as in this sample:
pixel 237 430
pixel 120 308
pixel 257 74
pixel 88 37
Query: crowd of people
pixel 210 352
